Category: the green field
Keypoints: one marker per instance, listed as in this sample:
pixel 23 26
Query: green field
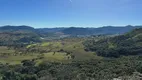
pixel 51 56
pixel 4 49
pixel 16 59
pixel 52 52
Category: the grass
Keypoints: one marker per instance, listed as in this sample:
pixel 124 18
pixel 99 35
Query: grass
pixel 4 49
pixel 16 59
pixel 51 44
pixel 45 44
pixel 51 57
pixel 31 45
pixel 57 56
pixel 75 47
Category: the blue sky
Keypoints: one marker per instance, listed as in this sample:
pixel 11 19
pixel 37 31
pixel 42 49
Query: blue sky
pixel 67 13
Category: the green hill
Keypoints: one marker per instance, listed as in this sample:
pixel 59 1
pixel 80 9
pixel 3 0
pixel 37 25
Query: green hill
pixel 100 30
pixel 127 44
pixel 9 28
pixel 11 35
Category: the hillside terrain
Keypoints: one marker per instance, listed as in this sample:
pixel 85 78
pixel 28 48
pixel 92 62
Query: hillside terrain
pixel 27 34
pixel 9 28
pixel 74 31
pixel 10 35
pixel 127 44
pixel 31 54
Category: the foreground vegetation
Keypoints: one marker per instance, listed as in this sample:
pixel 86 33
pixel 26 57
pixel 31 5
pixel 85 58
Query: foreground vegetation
pixel 106 69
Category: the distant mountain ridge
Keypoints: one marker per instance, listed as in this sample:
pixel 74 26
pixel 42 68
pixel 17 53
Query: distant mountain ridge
pixel 73 30
pixel 27 34
pixel 50 30
pixel 16 28
pixel 101 30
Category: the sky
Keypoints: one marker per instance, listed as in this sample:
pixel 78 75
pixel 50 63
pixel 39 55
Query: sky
pixel 69 13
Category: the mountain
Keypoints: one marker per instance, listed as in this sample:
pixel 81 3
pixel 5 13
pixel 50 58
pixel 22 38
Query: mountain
pixel 76 31
pixel 50 30
pixel 128 44
pixel 72 30
pixel 29 34
pixel 12 35
pixel 101 30
pixel 16 28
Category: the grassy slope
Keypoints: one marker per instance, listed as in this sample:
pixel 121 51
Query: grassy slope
pixel 74 46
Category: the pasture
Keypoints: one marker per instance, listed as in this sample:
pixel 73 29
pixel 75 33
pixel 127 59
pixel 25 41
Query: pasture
pixel 54 51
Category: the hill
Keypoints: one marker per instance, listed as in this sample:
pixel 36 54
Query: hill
pixel 12 35
pixel 127 44
pixel 76 31
pixel 72 30
pixel 101 30
pixel 16 28
pixel 50 30
pixel 27 34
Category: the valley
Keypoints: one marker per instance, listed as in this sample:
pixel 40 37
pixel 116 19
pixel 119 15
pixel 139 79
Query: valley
pixel 26 54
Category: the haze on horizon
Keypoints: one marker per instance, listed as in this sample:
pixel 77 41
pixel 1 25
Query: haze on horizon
pixel 67 13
